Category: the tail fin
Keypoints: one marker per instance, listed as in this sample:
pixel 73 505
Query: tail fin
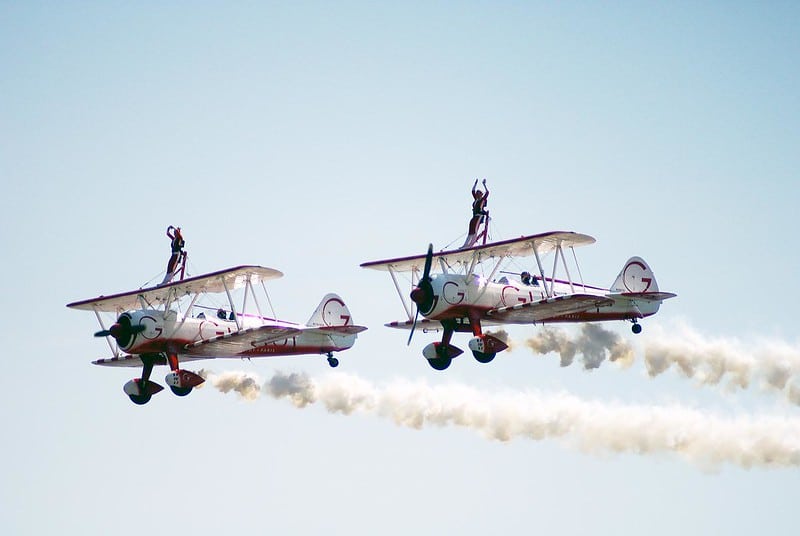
pixel 331 311
pixel 636 276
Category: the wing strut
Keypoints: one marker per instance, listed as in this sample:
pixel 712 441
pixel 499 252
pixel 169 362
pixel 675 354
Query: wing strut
pixel 560 251
pixel 578 266
pixel 233 307
pixel 114 350
pixel 269 300
pixel 541 269
pixel 491 275
pixel 400 293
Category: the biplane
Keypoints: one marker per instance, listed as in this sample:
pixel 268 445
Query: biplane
pixel 466 294
pixel 169 325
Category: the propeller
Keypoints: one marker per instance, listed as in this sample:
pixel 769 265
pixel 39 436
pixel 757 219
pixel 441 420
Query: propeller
pixel 422 294
pixel 122 330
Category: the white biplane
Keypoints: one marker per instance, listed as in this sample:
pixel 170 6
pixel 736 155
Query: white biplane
pixel 167 325
pixel 460 299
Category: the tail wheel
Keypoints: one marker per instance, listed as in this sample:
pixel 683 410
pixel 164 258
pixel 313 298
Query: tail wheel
pixel 636 328
pixel 333 362
pixel 180 391
pixel 139 400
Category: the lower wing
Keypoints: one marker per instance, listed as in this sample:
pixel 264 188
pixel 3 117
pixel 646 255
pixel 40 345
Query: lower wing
pixel 134 360
pixel 537 311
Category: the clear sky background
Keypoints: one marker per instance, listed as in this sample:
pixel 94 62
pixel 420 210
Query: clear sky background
pixel 311 137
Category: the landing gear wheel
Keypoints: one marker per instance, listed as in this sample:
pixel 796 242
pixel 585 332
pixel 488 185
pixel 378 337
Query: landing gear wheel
pixel 139 400
pixel 636 328
pixel 482 357
pixel 180 391
pixel 333 362
pixel 440 363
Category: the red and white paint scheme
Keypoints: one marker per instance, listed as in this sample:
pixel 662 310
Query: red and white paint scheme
pixel 460 299
pixel 167 325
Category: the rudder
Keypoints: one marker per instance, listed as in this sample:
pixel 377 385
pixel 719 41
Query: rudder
pixel 636 276
pixel 331 311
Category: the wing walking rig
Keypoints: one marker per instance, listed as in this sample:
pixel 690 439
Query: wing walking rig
pixel 167 325
pixel 465 293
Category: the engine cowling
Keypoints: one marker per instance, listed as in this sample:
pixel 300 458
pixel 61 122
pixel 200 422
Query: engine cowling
pixel 132 326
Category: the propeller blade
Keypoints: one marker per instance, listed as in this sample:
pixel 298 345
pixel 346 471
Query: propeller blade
pixel 426 272
pixel 413 327
pixel 426 281
pixel 121 330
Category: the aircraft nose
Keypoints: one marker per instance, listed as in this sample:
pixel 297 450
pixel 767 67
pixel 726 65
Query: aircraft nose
pixel 418 295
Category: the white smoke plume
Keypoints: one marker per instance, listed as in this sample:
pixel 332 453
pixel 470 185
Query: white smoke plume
pixel 595 427
pixel 706 360
pixel 592 345
pixel 248 386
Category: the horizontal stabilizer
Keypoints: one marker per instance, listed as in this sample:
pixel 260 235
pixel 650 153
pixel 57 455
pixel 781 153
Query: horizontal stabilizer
pixel 648 296
pixel 336 330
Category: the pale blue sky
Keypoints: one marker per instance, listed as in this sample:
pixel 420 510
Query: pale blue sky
pixel 312 137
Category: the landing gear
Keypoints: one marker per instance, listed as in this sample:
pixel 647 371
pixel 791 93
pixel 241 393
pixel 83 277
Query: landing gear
pixel 482 357
pixel 140 400
pixel 485 347
pixel 180 391
pixel 332 361
pixel 181 381
pixel 636 327
pixel 440 355
pixel 440 363
pixel 141 390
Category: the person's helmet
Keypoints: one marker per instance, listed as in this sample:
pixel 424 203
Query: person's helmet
pixel 525 275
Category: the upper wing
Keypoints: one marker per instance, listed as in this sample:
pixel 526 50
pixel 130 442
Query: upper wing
pixel 229 279
pixel 235 343
pixel 516 247
pixel 537 311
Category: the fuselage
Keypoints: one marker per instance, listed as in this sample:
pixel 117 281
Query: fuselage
pixel 171 332
pixel 459 296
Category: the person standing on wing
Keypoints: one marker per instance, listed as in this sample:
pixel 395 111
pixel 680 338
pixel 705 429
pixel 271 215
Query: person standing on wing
pixel 478 212
pixel 174 234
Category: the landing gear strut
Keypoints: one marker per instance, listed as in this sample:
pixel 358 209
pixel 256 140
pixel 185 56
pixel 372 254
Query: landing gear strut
pixel 140 390
pixel 332 361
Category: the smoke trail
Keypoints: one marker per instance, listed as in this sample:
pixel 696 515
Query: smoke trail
pixel 247 385
pixel 593 344
pixel 714 360
pixel 708 361
pixel 591 426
